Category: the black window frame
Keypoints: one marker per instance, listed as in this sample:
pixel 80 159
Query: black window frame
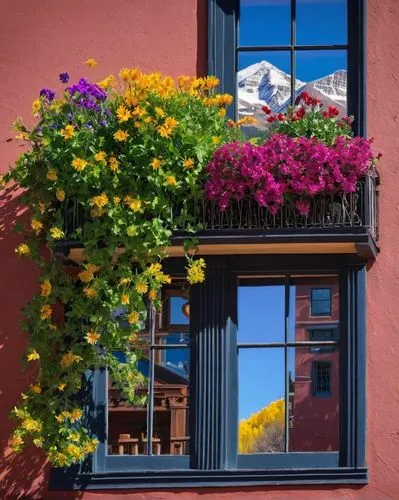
pixel 214 460
pixel 329 344
pixel 326 365
pixel 314 313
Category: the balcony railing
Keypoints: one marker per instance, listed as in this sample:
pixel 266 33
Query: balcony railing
pixel 343 214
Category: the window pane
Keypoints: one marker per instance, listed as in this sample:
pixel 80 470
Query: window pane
pixel 261 400
pixel 321 22
pixel 178 310
pixel 261 313
pixel 323 74
pixel 127 424
pixel 302 318
pixel 264 22
pixel 314 400
pixel 263 78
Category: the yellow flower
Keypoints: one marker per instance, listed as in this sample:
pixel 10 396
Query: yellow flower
pixel 113 164
pixel 133 203
pixel 36 107
pixel 61 386
pixel 152 294
pixel 92 337
pixel 56 233
pixel 53 327
pixel 222 112
pixel 91 62
pixel 155 163
pixel 90 292
pixel 121 135
pixel 36 225
pixel 123 114
pixel 99 201
pixel 46 311
pixel 68 132
pixel 133 317
pixel 22 249
pixel 16 442
pixel 75 415
pixel 88 273
pixel 32 356
pixel 188 163
pixel 79 164
pixel 36 388
pixel 60 195
pixel 68 359
pixel 31 425
pixel 52 175
pixel 100 156
pixel 62 416
pixel 108 83
pixel 38 443
pixel 60 459
pixel 23 136
pixel 91 446
pixel 141 287
pixel 125 299
pixel 215 140
pixel 167 128
pixel 117 200
pixel 45 288
pixel 74 451
pixel 171 180
pixel 195 271
pixel 159 112
pixel 125 281
pixel 211 82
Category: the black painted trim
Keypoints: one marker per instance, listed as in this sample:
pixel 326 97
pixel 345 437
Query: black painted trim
pixel 60 480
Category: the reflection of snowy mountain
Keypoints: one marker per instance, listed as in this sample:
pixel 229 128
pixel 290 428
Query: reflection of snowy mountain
pixel 262 83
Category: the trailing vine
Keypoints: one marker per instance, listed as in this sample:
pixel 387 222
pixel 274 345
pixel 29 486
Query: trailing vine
pixel 130 153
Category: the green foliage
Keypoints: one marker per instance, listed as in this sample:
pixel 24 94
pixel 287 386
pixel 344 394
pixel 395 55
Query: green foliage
pixel 131 157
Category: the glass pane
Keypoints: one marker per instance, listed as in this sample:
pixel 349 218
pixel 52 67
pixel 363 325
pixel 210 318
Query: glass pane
pixel 261 313
pixel 314 400
pixel 263 79
pixel 127 423
pixel 261 400
pixel 178 310
pixel 321 23
pixel 301 321
pixel 171 402
pixel 264 22
pixel 323 74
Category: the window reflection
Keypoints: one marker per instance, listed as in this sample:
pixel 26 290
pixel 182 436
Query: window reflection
pixel 288 383
pixel 264 22
pixel 164 402
pixel 321 23
pixel 314 413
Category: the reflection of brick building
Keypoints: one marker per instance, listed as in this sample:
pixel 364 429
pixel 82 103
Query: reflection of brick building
pixel 314 415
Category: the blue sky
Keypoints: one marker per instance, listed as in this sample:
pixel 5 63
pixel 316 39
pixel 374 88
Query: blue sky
pixel 266 22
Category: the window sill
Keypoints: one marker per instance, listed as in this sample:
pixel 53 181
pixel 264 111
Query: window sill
pixel 67 479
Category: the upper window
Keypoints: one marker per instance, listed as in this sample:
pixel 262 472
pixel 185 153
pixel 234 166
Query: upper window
pixel 286 47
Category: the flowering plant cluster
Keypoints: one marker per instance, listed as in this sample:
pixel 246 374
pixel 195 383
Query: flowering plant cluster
pixel 308 152
pixel 125 150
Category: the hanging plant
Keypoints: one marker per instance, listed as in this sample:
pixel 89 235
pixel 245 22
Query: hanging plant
pixel 130 154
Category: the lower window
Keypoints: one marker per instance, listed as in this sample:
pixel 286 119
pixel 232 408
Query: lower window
pixel 241 384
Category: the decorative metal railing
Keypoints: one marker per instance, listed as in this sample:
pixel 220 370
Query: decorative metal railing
pixel 356 211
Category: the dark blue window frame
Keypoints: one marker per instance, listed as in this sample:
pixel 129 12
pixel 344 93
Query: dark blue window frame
pixel 214 460
pixel 326 332
pixel 320 306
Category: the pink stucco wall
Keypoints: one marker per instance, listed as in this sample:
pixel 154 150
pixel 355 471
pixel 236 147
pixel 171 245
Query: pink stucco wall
pixel 39 39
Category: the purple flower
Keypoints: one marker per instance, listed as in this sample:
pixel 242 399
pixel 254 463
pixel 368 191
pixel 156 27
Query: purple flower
pixel 48 94
pixel 103 123
pixel 64 77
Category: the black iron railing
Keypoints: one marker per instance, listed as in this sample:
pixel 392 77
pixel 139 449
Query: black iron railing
pixel 346 212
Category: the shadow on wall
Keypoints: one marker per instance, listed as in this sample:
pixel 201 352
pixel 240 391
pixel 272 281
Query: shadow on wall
pixel 21 476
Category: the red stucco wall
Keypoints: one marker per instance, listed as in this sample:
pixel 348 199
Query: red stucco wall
pixel 39 39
